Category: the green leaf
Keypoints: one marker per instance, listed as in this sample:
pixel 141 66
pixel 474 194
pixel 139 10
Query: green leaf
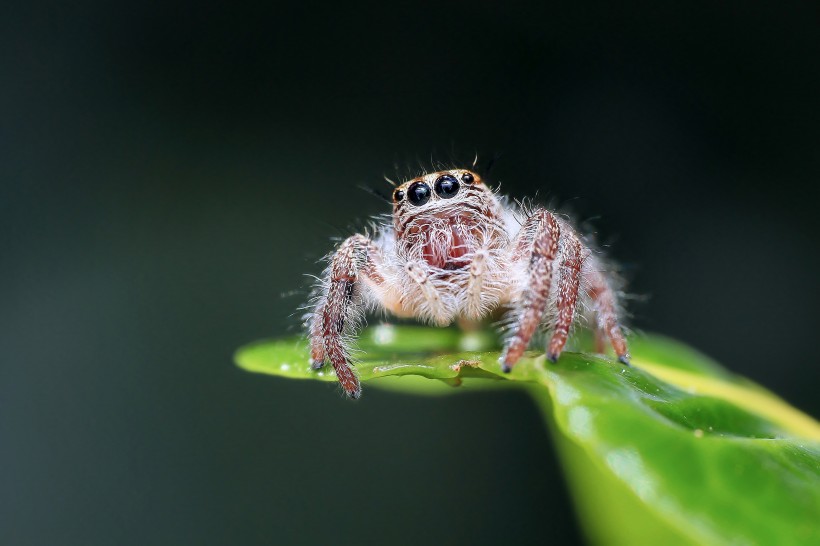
pixel 673 450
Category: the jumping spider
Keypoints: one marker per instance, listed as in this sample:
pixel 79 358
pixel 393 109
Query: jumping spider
pixel 458 251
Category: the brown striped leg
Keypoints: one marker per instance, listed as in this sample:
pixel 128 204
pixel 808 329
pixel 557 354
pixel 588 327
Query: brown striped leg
pixel 336 312
pixel 607 315
pixel 535 294
pixel 568 284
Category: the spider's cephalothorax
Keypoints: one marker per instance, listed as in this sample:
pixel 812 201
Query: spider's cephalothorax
pixel 456 250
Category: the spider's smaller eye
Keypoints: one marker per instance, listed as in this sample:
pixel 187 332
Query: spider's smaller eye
pixel 398 195
pixel 467 178
pixel 418 193
pixel 447 186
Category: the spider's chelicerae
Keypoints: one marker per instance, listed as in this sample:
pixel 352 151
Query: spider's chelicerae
pixel 455 250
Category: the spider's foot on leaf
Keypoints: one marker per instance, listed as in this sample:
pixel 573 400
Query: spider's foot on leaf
pixel 624 359
pixel 353 391
pixel 552 357
pixel 350 383
pixel 317 364
pixel 354 395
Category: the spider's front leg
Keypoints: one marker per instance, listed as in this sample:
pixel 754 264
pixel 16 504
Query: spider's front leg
pixel 538 240
pixel 358 259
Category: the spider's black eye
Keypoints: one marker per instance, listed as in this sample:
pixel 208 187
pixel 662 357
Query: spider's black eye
pixel 418 193
pixel 447 186
pixel 467 178
pixel 398 195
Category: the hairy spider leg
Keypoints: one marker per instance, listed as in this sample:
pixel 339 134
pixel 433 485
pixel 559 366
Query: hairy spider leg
pixel 536 293
pixel 600 340
pixel 569 280
pixel 336 313
pixel 607 315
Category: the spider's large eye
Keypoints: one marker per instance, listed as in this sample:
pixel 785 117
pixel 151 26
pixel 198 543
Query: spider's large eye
pixel 418 193
pixel 447 186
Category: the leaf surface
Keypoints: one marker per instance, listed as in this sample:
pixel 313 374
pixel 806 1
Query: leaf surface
pixel 673 450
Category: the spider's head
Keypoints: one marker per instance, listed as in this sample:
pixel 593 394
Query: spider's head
pixel 442 217
pixel 443 195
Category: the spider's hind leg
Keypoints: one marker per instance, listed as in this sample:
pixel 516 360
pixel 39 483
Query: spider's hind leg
pixel 606 309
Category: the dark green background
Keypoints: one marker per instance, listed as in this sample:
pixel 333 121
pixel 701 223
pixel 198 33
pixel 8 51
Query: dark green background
pixel 170 171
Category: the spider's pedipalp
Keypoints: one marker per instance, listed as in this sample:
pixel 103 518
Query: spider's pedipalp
pixel 474 308
pixel 433 306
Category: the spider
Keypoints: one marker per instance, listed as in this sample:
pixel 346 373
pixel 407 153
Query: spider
pixel 457 251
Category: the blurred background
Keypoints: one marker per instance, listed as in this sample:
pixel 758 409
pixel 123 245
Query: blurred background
pixel 170 171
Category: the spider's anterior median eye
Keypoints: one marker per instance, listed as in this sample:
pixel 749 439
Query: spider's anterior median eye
pixel 398 195
pixel 418 193
pixel 447 186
